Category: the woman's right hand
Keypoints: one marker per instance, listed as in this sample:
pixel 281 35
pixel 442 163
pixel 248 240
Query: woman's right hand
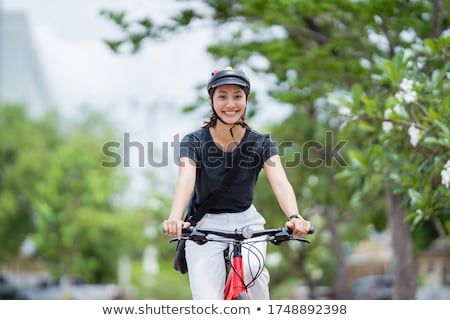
pixel 173 227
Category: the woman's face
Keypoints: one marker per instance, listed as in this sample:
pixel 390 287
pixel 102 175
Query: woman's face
pixel 229 102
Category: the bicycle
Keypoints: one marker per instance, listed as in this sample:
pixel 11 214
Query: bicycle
pixel 236 286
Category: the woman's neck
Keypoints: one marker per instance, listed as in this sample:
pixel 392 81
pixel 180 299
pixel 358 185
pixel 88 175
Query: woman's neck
pixel 227 137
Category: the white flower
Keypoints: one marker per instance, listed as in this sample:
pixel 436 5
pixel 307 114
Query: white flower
pixel 445 33
pixel 344 110
pixel 413 135
pixel 408 35
pixel 447 165
pixel 387 113
pixel 406 93
pixel 400 110
pixel 410 96
pixel 313 180
pixel 406 85
pixel 365 63
pixel 387 126
pixel 399 95
pixel 445 175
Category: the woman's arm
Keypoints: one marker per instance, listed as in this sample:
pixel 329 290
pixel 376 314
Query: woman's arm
pixel 183 190
pixel 285 195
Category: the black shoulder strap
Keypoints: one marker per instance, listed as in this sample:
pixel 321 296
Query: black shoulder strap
pixel 244 149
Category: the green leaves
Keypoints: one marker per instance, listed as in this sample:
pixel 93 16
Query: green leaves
pixel 358 159
pixel 185 17
pixel 414 169
pixel 416 197
pixel 53 191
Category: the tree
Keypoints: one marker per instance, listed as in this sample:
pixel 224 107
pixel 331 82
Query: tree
pixel 54 191
pixel 405 121
pixel 25 147
pixel 80 227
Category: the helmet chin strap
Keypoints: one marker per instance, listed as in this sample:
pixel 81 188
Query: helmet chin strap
pixel 240 122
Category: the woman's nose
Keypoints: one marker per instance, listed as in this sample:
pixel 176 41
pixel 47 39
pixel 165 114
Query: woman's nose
pixel 229 102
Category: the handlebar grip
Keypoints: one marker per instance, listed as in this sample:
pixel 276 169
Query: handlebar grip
pixel 311 230
pixel 187 230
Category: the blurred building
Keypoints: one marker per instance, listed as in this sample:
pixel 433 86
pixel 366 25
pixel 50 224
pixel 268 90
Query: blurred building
pixel 370 257
pixel 434 271
pixel 22 79
pixel 369 268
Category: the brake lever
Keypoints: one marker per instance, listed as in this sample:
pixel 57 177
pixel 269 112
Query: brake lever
pixel 300 239
pixel 198 237
pixel 280 237
pixel 286 234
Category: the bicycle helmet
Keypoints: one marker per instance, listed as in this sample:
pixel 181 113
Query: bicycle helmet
pixel 228 75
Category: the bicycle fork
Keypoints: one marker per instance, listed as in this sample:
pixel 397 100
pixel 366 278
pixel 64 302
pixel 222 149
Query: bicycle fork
pixel 235 286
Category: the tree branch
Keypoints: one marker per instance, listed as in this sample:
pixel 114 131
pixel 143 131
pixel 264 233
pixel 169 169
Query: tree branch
pixel 402 123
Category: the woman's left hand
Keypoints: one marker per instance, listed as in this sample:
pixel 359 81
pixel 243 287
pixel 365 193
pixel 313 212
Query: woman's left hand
pixel 299 226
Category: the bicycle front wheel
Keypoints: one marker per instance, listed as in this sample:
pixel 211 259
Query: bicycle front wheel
pixel 242 296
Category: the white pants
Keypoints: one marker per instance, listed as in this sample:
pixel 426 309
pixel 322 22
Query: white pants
pixel 207 272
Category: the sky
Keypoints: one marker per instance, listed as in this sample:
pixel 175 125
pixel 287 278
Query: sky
pixel 142 94
pixel 81 69
pixel 135 91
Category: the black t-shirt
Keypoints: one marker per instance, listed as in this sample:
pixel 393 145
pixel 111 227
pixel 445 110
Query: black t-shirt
pixel 212 164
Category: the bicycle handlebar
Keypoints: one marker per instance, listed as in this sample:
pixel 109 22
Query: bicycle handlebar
pixel 275 236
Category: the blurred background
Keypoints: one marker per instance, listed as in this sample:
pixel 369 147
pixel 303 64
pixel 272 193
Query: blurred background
pixel 94 98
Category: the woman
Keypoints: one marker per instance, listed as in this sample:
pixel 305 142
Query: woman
pixel 205 157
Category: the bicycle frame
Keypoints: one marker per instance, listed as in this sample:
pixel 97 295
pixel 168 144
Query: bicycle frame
pixel 235 287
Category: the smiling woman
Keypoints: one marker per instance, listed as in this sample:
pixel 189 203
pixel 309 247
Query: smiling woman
pixel 228 91
pixel 206 158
